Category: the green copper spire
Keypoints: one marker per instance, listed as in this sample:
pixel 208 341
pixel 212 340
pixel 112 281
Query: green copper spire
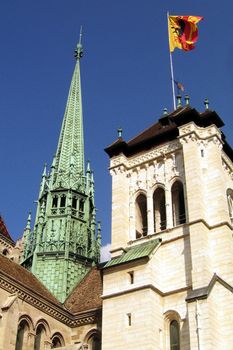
pixel 65 241
pixel 70 151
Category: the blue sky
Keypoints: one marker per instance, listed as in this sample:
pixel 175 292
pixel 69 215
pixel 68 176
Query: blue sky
pixel 125 83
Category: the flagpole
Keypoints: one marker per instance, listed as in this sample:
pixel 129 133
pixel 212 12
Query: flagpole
pixel 171 66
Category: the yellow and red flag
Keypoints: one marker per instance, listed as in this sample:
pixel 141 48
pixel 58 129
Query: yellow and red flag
pixel 183 32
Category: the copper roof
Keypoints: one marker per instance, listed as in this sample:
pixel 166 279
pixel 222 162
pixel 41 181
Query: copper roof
pixel 136 252
pixel 3 229
pixel 87 295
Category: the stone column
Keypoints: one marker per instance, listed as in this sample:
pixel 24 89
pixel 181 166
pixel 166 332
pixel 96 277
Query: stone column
pixel 30 341
pixel 150 216
pixel 168 204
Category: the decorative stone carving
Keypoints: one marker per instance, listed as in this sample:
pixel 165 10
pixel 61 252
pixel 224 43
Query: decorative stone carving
pixel 146 157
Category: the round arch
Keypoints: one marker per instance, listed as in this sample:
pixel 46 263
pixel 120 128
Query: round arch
pixel 93 339
pixel 158 185
pixel 159 208
pixel 25 326
pixel 27 319
pixel 5 252
pixel 45 324
pixel 57 340
pixel 175 179
pixel 141 224
pixel 178 203
pixel 138 192
pixel 42 335
pixel 172 326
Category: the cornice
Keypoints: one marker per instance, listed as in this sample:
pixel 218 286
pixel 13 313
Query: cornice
pixel 43 304
pixel 7 240
pixel 192 132
pixel 121 162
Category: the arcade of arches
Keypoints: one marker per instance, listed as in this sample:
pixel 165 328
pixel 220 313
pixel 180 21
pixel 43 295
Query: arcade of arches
pixel 161 210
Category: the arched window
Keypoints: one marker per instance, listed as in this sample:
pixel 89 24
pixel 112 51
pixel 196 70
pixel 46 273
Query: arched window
pixel 141 216
pixel 95 343
pixel 174 335
pixel 178 206
pixel 5 252
pixel 21 335
pixel 40 334
pixel 160 222
pixel 230 202
pixel 57 341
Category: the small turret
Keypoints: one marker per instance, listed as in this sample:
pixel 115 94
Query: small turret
pixel 98 242
pixel 26 235
pixel 43 181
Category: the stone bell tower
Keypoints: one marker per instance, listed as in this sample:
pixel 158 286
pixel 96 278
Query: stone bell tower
pixel 169 284
pixel 64 243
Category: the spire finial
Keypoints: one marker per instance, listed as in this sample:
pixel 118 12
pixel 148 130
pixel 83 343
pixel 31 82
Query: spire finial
pixel 88 166
pixel 206 103
pixel 186 98
pixel 29 221
pixel 179 104
pixel 79 49
pixel 45 170
pixel 119 131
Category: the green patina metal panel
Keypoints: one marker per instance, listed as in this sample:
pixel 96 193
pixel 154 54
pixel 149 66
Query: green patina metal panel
pixel 65 241
pixel 133 253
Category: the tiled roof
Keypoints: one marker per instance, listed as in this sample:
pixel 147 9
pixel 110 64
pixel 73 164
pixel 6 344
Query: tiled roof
pixel 3 229
pixel 136 252
pixel 87 295
pixel 165 130
pixel 25 278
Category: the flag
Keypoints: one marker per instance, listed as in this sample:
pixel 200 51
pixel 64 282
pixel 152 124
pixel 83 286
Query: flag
pixel 183 32
pixel 179 85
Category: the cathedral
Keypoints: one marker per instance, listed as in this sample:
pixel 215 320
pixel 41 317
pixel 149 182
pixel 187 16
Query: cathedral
pixel 169 282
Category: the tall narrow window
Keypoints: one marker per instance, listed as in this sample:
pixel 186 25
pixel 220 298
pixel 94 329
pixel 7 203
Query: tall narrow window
pixel 54 202
pixel 95 343
pixel 74 203
pixel 141 216
pixel 63 201
pixel 174 335
pixel 81 205
pixel 131 277
pixel 160 221
pixel 178 205
pixel 129 316
pixel 21 335
pixel 40 332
